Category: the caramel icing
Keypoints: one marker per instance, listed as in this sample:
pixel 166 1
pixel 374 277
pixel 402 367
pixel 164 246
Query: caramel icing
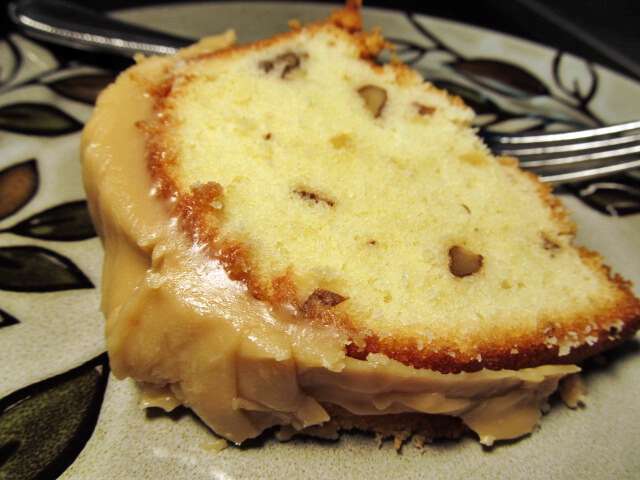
pixel 178 325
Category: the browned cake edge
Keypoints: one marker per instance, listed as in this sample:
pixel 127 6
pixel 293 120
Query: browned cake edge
pixel 199 219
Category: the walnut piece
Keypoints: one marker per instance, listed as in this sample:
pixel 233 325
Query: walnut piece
pixel 463 262
pixel 266 65
pixel 320 300
pixel 288 60
pixel 424 110
pixel 374 98
pixel 314 197
pixel 548 243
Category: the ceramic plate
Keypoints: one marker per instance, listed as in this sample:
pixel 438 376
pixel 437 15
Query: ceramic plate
pixel 62 413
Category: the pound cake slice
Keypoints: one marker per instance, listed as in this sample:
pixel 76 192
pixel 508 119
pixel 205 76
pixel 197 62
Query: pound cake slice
pixel 298 236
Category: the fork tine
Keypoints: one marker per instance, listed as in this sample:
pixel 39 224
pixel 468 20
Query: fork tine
pixel 576 159
pixel 581 175
pixel 561 136
pixel 570 147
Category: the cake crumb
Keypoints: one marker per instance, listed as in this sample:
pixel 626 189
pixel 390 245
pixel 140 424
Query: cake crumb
pixel 419 441
pixel 294 24
pixel 399 439
pixel 591 340
pixel 564 350
pixel 487 440
pixel 216 445
pixel 573 391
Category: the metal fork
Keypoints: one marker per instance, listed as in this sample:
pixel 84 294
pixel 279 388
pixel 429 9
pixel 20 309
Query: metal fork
pixel 573 156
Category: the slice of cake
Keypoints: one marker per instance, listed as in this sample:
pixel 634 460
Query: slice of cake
pixel 297 236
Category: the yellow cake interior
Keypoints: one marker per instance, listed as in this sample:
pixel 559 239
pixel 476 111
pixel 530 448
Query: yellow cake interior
pixel 370 206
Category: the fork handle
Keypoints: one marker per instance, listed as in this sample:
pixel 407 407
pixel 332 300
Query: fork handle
pixel 74 26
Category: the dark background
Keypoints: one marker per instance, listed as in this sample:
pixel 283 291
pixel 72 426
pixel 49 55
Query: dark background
pixel 604 31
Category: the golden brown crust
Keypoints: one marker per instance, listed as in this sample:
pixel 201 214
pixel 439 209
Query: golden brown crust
pixel 349 17
pixel 532 350
pixel 200 221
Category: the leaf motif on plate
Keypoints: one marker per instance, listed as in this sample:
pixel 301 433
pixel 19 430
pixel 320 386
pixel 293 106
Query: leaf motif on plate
pixel 18 185
pixel 7 320
pixel 524 124
pixel 575 77
pixel 37 269
pixel 501 77
pixel 408 52
pixel 43 427
pixel 35 60
pixel 66 222
pixel 37 119
pixel 82 87
pixel 616 196
pixel 9 61
pixel 479 102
